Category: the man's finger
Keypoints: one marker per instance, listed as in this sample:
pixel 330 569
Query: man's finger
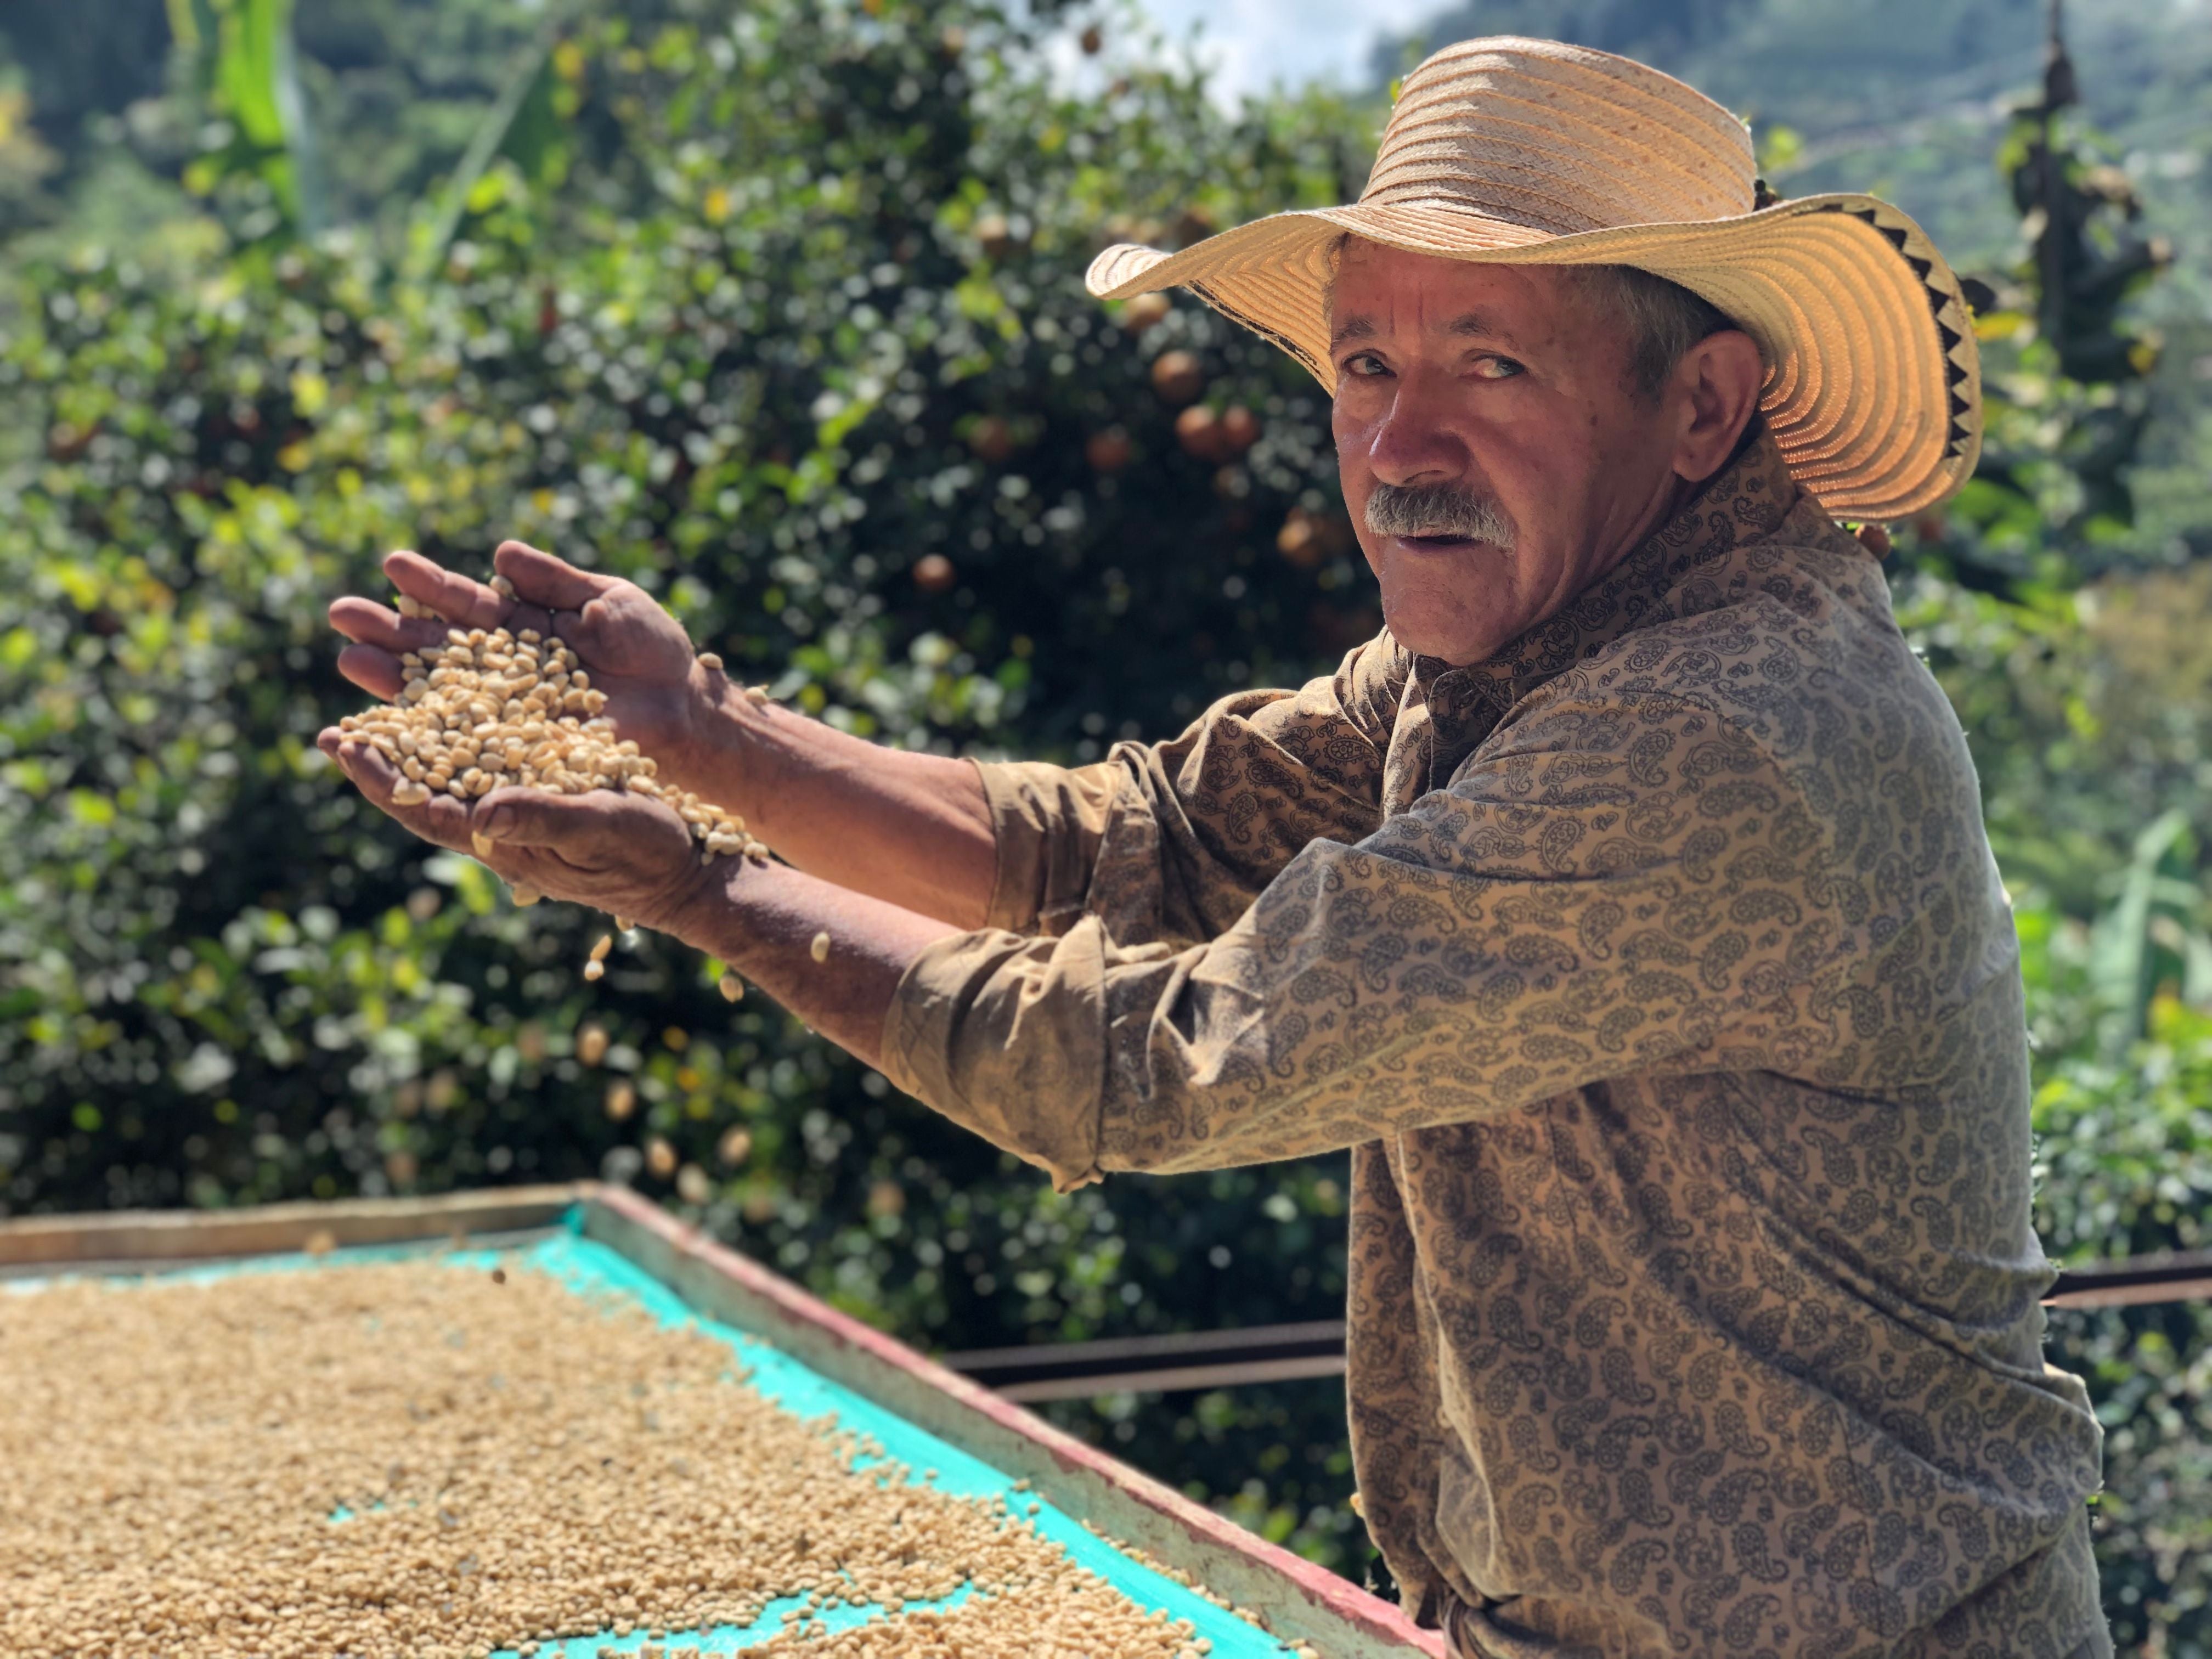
pixel 464 603
pixel 597 829
pixel 372 774
pixel 543 580
pixel 582 830
pixel 541 868
pixel 374 671
pixel 365 622
pixel 442 819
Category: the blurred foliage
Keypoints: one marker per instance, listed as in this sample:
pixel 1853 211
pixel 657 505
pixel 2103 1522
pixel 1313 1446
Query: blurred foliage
pixel 776 309
pixel 2067 365
pixel 243 65
pixel 775 305
pixel 2089 726
pixel 2126 1168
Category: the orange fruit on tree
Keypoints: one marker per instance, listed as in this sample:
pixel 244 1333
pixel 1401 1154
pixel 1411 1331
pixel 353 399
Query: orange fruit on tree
pixel 1178 377
pixel 1198 430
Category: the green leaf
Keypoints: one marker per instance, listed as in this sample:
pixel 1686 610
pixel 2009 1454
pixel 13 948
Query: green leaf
pixel 93 810
pixel 251 37
pixel 2122 963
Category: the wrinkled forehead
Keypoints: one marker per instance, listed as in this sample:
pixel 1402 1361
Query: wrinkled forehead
pixel 1374 288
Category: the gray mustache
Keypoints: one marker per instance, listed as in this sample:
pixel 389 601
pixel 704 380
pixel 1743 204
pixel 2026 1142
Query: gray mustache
pixel 1438 510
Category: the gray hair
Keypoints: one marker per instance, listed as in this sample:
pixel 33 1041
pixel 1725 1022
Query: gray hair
pixel 1663 319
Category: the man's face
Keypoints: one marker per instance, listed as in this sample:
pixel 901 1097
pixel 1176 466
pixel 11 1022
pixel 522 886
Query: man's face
pixel 1494 456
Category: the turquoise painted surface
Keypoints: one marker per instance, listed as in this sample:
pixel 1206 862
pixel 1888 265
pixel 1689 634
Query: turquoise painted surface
pixel 590 1268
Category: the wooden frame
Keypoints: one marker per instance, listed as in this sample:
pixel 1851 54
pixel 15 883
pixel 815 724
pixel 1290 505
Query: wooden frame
pixel 1298 1600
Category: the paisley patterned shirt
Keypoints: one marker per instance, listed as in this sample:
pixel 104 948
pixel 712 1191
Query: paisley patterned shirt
pixel 1658 976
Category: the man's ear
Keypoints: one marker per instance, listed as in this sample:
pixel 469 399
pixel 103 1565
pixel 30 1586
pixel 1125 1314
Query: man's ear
pixel 1715 393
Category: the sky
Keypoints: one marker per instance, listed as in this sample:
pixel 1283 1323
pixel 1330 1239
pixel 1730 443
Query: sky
pixel 1253 44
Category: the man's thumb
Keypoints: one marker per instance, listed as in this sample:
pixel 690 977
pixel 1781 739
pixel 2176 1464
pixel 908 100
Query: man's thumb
pixel 529 818
pixel 543 579
pixel 598 827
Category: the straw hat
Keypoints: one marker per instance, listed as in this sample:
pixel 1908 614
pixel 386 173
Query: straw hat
pixel 1511 151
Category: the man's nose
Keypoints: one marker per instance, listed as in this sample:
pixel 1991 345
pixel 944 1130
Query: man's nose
pixel 1416 441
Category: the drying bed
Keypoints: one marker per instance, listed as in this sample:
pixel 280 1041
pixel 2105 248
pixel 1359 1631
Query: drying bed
pixel 879 1505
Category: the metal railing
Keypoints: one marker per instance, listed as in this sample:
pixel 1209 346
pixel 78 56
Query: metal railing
pixel 1275 1354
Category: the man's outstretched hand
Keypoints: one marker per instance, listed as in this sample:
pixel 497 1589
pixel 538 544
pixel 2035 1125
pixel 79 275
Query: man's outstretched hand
pixel 911 829
pixel 631 856
pixel 637 653
pixel 626 855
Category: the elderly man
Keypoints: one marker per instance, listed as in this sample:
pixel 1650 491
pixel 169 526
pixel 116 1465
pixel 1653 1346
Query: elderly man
pixel 1623 906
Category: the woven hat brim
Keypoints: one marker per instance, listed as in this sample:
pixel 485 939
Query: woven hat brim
pixel 1874 390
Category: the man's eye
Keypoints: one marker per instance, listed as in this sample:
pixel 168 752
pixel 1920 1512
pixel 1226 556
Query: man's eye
pixel 1498 368
pixel 1365 364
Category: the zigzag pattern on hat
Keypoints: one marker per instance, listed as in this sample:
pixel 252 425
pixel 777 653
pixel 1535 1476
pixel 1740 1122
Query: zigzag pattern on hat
pixel 1902 235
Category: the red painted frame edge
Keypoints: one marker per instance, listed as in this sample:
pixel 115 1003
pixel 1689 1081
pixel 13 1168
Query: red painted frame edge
pixel 1334 1599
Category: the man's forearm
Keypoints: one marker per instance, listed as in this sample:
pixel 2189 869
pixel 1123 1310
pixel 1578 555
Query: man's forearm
pixel 764 921
pixel 911 829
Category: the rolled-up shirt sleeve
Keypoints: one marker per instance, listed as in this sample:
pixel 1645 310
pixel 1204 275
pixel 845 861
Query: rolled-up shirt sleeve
pixel 1172 841
pixel 1608 885
pixel 1049 822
